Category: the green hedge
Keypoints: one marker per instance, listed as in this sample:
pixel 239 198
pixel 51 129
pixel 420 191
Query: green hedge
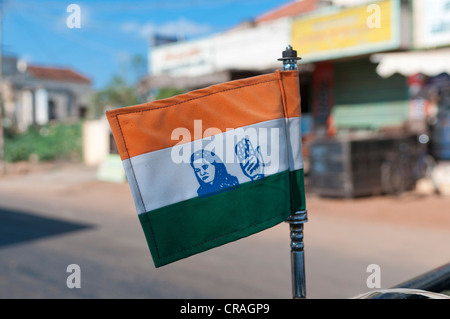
pixel 45 143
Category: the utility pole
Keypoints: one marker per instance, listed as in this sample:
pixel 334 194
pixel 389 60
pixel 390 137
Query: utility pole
pixel 2 140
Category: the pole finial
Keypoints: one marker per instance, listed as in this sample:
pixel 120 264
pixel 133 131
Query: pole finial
pixel 289 58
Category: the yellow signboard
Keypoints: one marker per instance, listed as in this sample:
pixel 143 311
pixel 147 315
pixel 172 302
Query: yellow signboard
pixel 347 32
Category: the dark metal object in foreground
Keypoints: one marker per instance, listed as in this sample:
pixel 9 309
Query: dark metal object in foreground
pixel 436 280
pixel 297 219
pixel 296 222
pixel 289 58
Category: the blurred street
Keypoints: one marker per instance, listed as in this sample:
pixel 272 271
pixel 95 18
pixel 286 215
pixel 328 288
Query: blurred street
pixel 52 216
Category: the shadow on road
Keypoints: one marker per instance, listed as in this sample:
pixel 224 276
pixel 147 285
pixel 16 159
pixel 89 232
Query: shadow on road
pixel 17 226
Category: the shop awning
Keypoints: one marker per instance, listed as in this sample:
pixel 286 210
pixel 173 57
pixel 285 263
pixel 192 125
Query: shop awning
pixel 430 62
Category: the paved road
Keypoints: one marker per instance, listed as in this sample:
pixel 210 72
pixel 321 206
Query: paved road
pixel 63 216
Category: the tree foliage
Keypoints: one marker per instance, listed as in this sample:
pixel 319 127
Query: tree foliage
pixel 117 93
pixel 164 93
pixel 123 90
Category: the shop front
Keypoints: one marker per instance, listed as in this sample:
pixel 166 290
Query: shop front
pixel 357 114
pixel 346 92
pixel 427 68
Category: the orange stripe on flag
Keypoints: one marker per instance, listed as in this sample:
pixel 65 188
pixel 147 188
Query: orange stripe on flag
pixel 224 106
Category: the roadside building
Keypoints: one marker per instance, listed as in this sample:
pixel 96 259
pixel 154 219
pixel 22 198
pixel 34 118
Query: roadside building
pixel 37 95
pixel 352 73
pixel 249 49
pixel 427 69
pixel 346 92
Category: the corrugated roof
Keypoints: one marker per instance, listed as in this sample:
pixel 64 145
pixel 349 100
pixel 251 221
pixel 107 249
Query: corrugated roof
pixel 57 74
pixel 290 9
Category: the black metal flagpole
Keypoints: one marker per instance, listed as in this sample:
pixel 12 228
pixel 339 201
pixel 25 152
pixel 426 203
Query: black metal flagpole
pixel 296 220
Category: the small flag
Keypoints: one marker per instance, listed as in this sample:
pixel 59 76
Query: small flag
pixel 213 165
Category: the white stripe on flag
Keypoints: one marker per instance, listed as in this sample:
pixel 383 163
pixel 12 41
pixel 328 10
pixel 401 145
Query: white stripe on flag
pixel 165 177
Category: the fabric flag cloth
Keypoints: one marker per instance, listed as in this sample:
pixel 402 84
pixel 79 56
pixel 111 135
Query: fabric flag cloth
pixel 213 165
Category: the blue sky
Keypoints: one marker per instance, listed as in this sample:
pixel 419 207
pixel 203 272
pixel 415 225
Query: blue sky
pixel 112 32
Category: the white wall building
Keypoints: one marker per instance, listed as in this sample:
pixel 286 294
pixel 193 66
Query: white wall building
pixel 220 57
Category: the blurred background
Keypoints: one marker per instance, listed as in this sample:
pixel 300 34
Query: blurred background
pixel 375 88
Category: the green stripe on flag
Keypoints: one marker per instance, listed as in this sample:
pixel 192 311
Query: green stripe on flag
pixel 186 228
pixel 297 182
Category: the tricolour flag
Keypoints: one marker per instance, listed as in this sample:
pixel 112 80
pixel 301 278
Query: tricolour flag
pixel 213 165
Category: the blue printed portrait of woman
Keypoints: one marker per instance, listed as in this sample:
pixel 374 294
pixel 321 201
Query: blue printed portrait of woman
pixel 211 173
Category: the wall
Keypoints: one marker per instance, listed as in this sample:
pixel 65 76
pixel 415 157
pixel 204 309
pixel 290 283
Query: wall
pixel 95 141
pixel 365 100
pixel 253 48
